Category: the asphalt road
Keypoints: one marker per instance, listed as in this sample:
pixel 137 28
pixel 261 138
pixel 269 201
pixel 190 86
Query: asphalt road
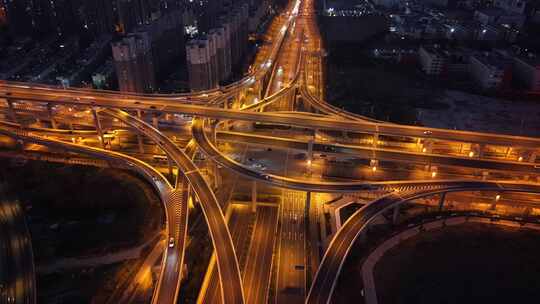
pixel 227 262
pixel 326 277
pixel 382 153
pixel 239 224
pixel 56 97
pixel 259 261
pixel 17 271
pixel 291 276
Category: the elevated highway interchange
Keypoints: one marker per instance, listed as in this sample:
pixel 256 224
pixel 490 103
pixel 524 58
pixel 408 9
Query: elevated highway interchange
pixel 286 80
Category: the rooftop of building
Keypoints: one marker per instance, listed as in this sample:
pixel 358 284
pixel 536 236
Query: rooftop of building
pixel 492 59
pixel 200 41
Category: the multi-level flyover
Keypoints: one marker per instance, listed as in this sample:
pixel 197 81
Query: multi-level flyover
pixel 232 291
pixel 295 56
pixel 170 197
pixel 200 136
pixel 289 119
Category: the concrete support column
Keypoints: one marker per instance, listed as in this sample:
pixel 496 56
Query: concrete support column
pixel 51 116
pixel 170 166
pixel 254 196
pixel 11 111
pixel 507 153
pixel 258 88
pixel 226 122
pixel 527 212
pixel 375 140
pixel 178 181
pixel 292 100
pixel 441 201
pixel 495 200
pixel 299 103
pixel 310 149
pixel 97 124
pixel 296 101
pixel 19 144
pixel 310 156
pixel 155 121
pixel 306 211
pixel 427 146
pixel 532 157
pixel 213 137
pixel 139 136
pixel 238 99
pixel 481 149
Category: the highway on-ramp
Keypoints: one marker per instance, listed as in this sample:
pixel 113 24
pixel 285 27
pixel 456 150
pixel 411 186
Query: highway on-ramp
pixel 326 277
pixel 229 271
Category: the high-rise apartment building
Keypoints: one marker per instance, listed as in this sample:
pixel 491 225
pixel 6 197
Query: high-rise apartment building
pixel 134 63
pixel 527 71
pixel 228 38
pixel 223 61
pixel 214 67
pixel 166 38
pixel 198 61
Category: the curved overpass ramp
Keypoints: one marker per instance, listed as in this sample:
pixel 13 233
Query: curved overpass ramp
pixel 326 277
pixel 229 271
pixel 174 201
pixel 384 154
pixel 205 144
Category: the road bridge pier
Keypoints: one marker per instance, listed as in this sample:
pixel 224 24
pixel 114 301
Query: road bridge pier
pixel 170 167
pixel 427 146
pixel 139 136
pixel 253 196
pixel 532 157
pixel 375 140
pixel 441 201
pixel 481 150
pixel 99 129
pixel 226 121
pixel 51 115
pixel 310 155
